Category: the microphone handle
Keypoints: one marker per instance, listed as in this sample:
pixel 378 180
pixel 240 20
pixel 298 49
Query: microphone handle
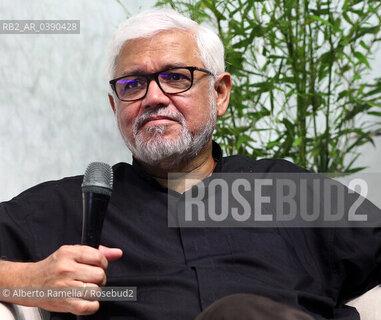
pixel 94 211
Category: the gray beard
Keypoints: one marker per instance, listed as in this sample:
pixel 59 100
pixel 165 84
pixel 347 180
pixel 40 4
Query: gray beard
pixel 166 153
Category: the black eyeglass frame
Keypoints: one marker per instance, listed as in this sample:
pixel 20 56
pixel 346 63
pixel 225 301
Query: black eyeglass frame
pixel 155 76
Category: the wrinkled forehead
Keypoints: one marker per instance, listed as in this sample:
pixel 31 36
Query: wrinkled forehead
pixel 171 47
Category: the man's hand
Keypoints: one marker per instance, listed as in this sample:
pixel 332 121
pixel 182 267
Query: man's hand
pixel 69 266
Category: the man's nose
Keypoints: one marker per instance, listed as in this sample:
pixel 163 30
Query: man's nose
pixel 155 96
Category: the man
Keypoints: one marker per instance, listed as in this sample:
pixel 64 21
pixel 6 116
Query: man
pixel 169 86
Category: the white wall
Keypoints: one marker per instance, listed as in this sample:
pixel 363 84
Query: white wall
pixel 54 112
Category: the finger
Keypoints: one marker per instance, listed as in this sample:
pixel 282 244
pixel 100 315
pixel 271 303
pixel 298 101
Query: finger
pixel 84 307
pixel 81 284
pixel 91 291
pixel 91 256
pixel 84 290
pixel 111 254
pixel 90 274
pixel 78 307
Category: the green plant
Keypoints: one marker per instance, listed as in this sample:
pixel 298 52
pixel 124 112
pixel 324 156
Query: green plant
pixel 298 69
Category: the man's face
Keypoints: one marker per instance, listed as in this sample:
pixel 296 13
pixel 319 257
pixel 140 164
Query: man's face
pixel 161 126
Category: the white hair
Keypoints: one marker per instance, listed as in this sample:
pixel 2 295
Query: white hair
pixel 151 22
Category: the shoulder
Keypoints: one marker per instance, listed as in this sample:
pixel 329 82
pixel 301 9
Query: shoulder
pixel 246 164
pixel 67 189
pixel 48 188
pixel 47 215
pixel 40 219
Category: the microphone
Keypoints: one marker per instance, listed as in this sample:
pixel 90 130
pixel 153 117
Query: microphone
pixel 96 192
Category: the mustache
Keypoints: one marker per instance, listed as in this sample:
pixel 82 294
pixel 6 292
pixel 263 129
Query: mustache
pixel 139 121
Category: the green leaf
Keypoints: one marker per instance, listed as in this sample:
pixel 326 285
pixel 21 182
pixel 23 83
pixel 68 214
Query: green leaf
pixel 347 19
pixel 374 113
pixel 354 170
pixel 361 58
pixel 273 144
pixel 317 18
pixel 241 44
pixel 366 47
pixel 297 141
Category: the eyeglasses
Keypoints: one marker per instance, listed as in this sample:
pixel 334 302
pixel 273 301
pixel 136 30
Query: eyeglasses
pixel 170 81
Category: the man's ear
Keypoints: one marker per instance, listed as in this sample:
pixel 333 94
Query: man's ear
pixel 112 102
pixel 222 89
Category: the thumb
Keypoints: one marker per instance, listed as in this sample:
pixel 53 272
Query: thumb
pixel 111 254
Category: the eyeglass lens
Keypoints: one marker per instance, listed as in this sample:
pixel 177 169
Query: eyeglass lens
pixel 171 81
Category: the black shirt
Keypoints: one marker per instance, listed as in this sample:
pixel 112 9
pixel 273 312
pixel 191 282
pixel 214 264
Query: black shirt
pixel 180 271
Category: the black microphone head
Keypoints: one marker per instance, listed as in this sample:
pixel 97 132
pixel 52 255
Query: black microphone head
pixel 98 178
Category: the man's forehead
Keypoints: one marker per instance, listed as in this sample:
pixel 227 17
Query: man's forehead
pixel 134 69
pixel 170 48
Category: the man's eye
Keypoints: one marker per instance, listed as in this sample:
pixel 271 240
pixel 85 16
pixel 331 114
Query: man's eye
pixel 130 84
pixel 174 76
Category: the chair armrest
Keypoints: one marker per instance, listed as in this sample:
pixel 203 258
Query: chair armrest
pixel 6 312
pixel 15 312
pixel 368 305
